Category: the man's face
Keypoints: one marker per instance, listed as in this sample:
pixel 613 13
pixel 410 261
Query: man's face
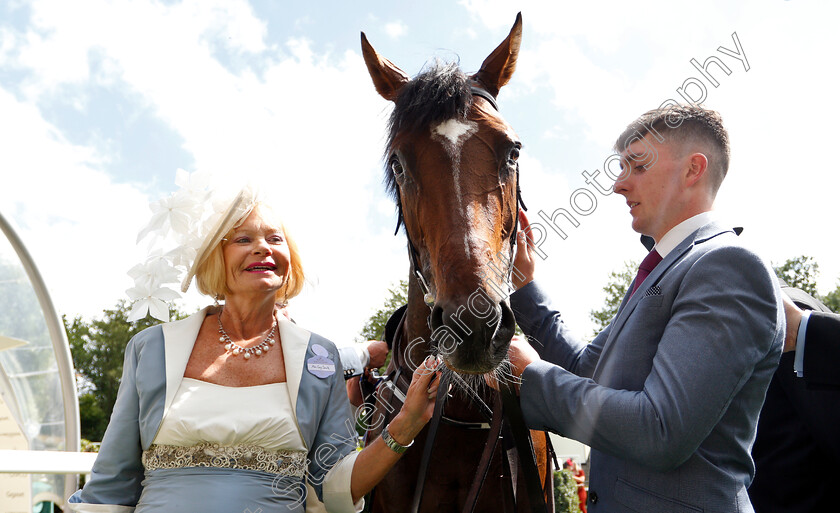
pixel 651 182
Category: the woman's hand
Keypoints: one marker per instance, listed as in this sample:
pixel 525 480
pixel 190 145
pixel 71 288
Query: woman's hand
pixel 376 459
pixel 419 403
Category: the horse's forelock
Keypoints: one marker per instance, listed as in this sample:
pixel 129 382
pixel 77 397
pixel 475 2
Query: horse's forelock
pixel 439 93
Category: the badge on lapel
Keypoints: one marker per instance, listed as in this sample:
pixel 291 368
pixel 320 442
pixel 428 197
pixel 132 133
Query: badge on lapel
pixel 320 365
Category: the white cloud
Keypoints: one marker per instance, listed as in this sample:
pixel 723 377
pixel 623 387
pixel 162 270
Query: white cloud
pixel 286 129
pixel 76 222
pixel 396 29
pixel 603 64
pixel 309 127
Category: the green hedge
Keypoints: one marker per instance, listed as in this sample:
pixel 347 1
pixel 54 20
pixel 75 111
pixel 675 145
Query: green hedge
pixel 565 492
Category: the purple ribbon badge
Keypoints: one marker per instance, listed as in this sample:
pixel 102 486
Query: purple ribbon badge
pixel 319 365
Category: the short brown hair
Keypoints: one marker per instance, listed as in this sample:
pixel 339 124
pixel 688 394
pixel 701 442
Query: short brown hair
pixel 211 278
pixel 684 125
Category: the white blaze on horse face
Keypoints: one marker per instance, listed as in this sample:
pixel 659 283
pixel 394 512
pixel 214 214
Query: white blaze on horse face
pixel 456 132
pixel 472 243
pixel 453 134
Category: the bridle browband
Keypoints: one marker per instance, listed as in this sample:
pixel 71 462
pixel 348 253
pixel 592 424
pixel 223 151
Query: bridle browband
pixel 428 297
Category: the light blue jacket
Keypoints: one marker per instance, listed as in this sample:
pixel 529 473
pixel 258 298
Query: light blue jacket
pixel 155 360
pixel 668 395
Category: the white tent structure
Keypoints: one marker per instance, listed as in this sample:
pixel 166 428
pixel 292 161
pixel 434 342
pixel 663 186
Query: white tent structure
pixel 39 410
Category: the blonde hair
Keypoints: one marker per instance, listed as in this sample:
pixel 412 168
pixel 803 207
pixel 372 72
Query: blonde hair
pixel 211 276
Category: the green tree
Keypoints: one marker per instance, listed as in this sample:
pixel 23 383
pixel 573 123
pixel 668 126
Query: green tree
pixel 832 299
pixel 616 287
pixel 374 328
pixel 566 498
pixel 800 272
pixel 98 348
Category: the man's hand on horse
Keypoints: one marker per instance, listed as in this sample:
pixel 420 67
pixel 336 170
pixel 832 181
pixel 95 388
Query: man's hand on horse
pixel 520 354
pixel 378 351
pixel 524 260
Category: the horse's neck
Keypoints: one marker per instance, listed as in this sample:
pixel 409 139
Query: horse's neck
pixel 417 332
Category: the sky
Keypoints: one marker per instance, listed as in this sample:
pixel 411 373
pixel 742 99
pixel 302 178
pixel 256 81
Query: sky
pixel 101 102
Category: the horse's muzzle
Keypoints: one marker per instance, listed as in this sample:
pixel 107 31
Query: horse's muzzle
pixel 472 342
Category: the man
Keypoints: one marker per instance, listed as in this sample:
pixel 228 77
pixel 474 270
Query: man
pixel 814 336
pixel 668 394
pixel 797 448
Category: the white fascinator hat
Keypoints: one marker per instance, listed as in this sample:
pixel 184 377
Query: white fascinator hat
pixel 183 230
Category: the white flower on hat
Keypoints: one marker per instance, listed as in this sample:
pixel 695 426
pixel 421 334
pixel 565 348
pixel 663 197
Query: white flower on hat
pixel 178 213
pixel 184 227
pixel 149 299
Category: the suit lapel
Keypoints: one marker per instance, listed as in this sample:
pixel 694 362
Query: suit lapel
pixel 179 339
pixel 628 305
pixel 294 340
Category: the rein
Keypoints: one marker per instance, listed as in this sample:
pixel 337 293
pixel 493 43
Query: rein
pixel 505 418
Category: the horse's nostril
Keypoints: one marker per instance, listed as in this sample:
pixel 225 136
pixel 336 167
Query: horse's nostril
pixel 436 318
pixel 507 326
pixel 498 342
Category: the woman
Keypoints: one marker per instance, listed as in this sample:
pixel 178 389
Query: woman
pixel 235 408
pixel 580 480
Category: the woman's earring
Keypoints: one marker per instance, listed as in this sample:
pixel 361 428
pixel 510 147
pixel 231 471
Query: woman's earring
pixel 216 300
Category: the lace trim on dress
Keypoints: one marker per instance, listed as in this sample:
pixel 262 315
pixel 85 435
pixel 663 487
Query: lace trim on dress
pixel 246 457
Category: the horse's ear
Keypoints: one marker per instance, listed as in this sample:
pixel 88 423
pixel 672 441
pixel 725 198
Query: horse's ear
pixel 387 77
pixel 499 66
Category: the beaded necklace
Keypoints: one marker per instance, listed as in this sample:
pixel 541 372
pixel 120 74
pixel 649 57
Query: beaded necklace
pixel 235 349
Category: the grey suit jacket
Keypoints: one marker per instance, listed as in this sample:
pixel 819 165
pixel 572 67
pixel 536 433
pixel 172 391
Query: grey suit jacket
pixel 668 395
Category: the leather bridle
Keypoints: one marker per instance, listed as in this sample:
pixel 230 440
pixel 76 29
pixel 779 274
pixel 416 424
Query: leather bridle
pixel 428 297
pixel 506 408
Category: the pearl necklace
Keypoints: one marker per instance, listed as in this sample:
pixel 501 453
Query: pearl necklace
pixel 235 349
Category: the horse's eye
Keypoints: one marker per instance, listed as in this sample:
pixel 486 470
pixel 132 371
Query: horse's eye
pixel 396 167
pixel 513 156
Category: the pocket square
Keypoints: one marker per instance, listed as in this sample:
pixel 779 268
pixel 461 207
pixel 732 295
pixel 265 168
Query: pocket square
pixel 653 291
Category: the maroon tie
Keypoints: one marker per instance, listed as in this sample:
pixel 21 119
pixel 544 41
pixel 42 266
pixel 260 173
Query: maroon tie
pixel 645 268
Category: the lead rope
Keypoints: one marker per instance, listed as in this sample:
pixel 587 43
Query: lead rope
pixel 524 447
pixel 486 456
pixel 443 389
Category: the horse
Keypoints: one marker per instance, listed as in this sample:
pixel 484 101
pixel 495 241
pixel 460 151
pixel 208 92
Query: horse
pixel 451 167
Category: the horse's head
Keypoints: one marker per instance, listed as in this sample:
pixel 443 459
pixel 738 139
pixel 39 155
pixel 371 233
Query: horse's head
pixel 452 168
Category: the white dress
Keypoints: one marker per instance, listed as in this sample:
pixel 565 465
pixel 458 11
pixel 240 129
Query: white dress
pixel 225 449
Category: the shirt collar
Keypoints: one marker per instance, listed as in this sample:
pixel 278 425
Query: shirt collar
pixel 678 233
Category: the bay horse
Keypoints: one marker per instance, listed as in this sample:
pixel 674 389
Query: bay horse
pixel 452 170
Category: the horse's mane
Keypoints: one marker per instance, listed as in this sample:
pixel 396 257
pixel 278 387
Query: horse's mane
pixel 440 92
